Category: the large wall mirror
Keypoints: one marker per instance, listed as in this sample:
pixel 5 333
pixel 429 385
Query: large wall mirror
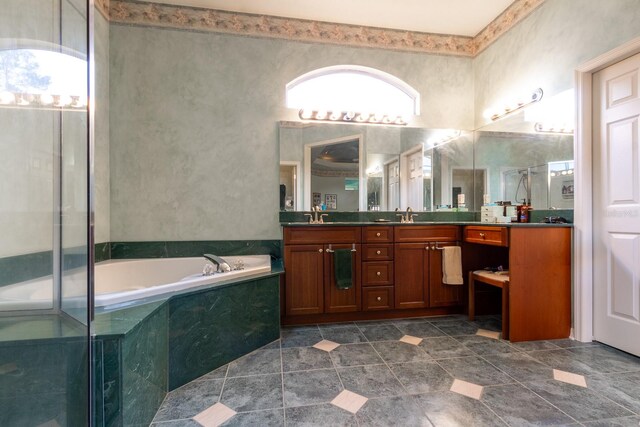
pixel 349 167
pixel 525 158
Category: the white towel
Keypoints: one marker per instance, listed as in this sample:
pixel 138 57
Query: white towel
pixel 452 265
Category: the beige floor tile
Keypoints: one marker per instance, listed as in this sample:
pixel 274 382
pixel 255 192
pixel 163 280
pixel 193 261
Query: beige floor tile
pixel 568 377
pixel 214 415
pixel 489 334
pixel 326 345
pixel 411 340
pixel 464 388
pixel 349 401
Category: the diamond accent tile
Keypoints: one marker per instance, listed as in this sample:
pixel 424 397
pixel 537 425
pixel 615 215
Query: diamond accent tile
pixel 488 334
pixel 326 345
pixel 349 401
pixel 570 378
pixel 50 423
pixel 8 368
pixel 464 388
pixel 411 340
pixel 214 415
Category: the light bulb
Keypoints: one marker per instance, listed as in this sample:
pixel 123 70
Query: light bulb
pixel 46 99
pixel 553 174
pixel 349 115
pixel 7 98
pixel 321 115
pixel 570 171
pixel 563 172
pixel 63 101
pixel 306 114
pixel 335 115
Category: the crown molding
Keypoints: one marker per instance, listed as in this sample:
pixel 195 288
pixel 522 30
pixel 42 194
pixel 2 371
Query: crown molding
pixel 216 21
pixel 103 7
pixel 511 16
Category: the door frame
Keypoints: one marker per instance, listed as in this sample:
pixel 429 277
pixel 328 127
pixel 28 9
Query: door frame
pixel 297 205
pixel 404 166
pixel 583 202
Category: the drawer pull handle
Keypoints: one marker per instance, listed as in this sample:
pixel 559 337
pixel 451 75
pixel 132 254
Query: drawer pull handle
pixel 319 250
pixel 378 252
pixel 482 235
pixel 378 234
pixel 378 273
pixel 379 299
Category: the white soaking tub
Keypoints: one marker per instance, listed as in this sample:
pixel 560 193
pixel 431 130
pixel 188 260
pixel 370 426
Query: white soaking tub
pixel 121 281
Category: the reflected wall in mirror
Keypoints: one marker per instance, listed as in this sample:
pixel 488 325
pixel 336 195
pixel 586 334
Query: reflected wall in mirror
pixel 520 164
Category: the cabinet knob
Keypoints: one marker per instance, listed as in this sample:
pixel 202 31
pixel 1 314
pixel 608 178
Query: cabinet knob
pixel 379 299
pixel 378 252
pixel 319 250
pixel 378 273
pixel 482 235
pixel 378 234
pixel 427 247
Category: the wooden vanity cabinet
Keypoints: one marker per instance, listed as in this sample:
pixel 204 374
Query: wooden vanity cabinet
pixel 377 268
pixel 418 271
pixel 310 276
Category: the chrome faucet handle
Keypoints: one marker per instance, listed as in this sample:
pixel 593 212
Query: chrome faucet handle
pixel 322 216
pixel 310 217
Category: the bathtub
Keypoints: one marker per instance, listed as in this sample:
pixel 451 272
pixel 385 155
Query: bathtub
pixel 118 282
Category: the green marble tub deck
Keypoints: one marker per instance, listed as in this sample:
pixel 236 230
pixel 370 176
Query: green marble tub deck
pixel 43 370
pixel 143 351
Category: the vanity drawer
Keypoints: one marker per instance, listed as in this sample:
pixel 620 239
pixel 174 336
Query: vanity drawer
pixel 318 234
pixel 377 298
pixel 377 273
pixel 496 236
pixel 424 233
pixel 377 234
pixel 377 252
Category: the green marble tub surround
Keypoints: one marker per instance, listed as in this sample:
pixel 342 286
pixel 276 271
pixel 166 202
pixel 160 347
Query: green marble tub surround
pixel 128 250
pixel 131 357
pixel 211 328
pixel 19 268
pixel 43 370
pixel 147 349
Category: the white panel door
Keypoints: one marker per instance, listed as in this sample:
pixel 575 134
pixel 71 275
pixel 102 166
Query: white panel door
pixel 616 205
pixel 393 183
pixel 415 182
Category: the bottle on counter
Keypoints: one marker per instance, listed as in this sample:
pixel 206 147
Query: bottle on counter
pixel 524 212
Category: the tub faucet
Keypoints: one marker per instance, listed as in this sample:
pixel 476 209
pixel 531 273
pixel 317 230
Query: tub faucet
pixel 220 264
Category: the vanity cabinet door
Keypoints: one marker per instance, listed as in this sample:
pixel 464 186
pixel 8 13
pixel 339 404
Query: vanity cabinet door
pixel 342 300
pixel 441 295
pixel 304 265
pixel 411 275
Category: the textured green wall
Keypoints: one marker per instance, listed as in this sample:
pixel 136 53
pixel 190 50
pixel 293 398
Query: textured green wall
pixel 544 49
pixel 194 133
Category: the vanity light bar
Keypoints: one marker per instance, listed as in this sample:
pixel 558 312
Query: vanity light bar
pixel 450 136
pixel 42 101
pixel 536 96
pixel 562 173
pixel 352 117
pixel 554 128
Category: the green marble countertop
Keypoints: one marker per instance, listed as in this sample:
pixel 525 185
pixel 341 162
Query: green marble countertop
pixel 369 223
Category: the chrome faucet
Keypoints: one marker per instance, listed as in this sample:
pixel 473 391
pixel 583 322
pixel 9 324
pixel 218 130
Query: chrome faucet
pixel 407 217
pixel 315 217
pixel 221 265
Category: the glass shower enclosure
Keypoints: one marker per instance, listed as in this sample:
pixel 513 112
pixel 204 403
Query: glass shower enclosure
pixel 45 227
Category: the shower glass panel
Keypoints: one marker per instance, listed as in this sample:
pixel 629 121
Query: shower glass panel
pixel 44 193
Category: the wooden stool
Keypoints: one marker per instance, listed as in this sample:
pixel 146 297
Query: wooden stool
pixel 499 280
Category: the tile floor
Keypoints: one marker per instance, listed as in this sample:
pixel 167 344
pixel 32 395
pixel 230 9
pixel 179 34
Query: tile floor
pixel 412 372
